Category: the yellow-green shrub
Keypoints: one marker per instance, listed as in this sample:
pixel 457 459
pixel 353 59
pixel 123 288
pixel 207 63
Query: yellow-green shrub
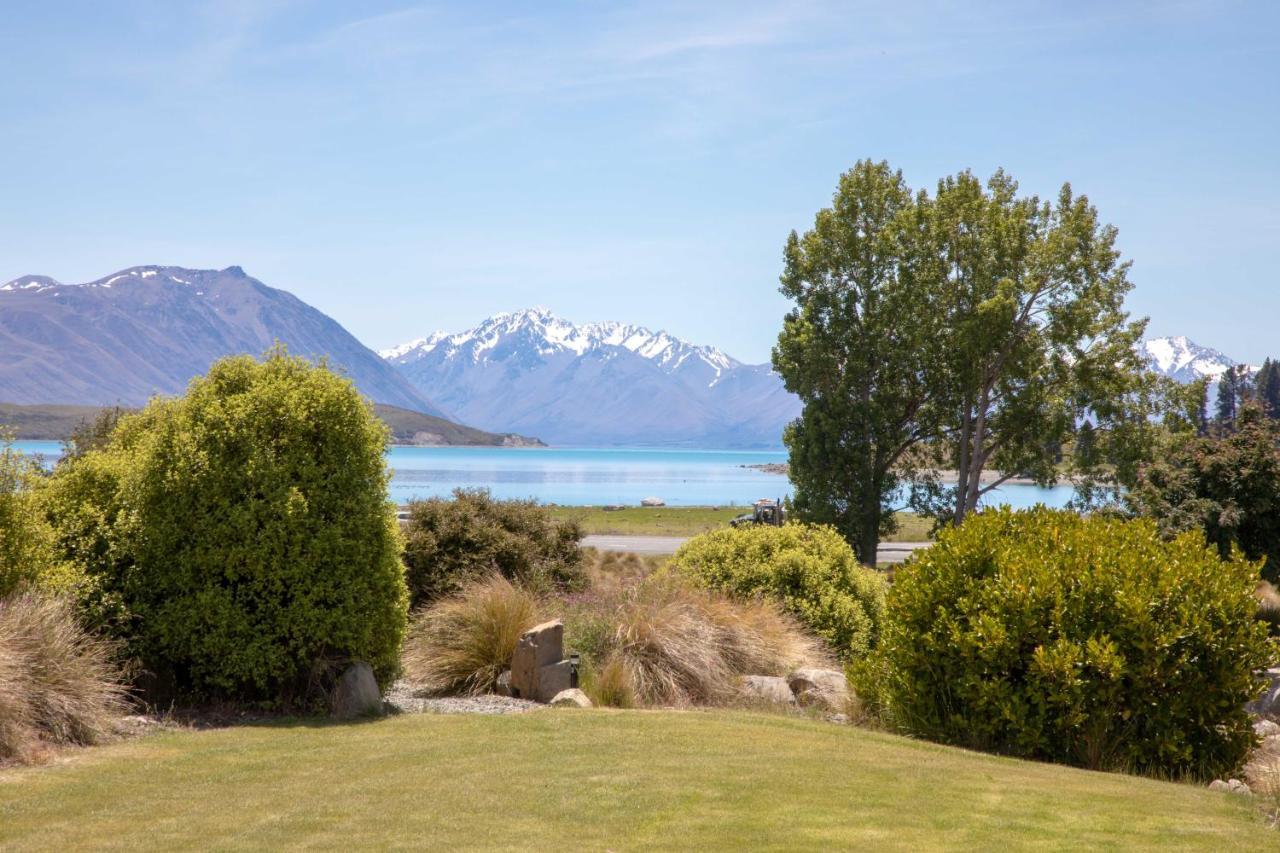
pixel 1088 641
pixel 240 537
pixel 810 570
pixel 28 557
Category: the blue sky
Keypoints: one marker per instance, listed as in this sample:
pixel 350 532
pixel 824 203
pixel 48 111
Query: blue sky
pixel 413 166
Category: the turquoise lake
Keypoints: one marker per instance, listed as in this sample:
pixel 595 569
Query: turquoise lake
pixel 585 477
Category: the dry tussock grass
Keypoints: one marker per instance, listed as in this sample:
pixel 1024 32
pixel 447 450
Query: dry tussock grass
pixel 1268 605
pixel 461 644
pixel 58 684
pixel 677 645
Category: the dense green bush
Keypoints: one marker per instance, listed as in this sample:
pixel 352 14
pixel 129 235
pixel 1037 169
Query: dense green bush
pixel 240 537
pixel 1089 641
pixel 809 569
pixel 27 553
pixel 451 542
pixel 1226 485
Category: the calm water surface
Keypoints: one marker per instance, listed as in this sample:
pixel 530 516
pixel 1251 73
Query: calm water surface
pixel 583 477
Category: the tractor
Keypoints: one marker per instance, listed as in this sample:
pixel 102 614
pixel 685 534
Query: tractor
pixel 763 512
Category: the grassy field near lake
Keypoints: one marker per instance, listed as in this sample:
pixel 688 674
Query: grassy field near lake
pixel 618 780
pixel 692 520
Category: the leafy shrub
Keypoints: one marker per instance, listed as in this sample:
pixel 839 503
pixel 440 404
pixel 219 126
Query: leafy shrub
pixel 1227 486
pixel 811 571
pixel 240 537
pixel 663 642
pixel 27 552
pixel 1089 641
pixel 451 542
pixel 462 643
pixel 58 684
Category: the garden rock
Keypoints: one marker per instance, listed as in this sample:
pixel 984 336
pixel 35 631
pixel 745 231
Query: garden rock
pixel 572 698
pixel 767 688
pixel 356 693
pixel 1265 729
pixel 1268 704
pixel 502 686
pixel 1231 786
pixel 826 688
pixel 537 671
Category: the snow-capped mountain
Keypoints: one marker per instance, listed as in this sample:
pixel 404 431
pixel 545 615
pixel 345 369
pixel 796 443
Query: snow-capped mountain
pixel 1184 360
pixel 149 329
pixel 598 383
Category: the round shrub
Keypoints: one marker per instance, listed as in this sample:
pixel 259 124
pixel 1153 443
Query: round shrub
pixel 240 536
pixel 810 570
pixel 1089 641
pixel 27 552
pixel 452 542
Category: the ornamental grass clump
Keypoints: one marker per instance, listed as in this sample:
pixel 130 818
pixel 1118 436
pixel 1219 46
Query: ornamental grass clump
pixel 665 642
pixel 462 643
pixel 1088 641
pixel 807 569
pixel 58 683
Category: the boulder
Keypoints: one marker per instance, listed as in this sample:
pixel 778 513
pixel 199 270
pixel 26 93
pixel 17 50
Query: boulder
pixel 537 669
pixel 502 686
pixel 1266 729
pixel 1231 786
pixel 356 694
pixel 824 688
pixel 766 688
pixel 1268 704
pixel 653 502
pixel 572 698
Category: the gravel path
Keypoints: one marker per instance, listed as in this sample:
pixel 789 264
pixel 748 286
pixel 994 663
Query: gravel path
pixel 405 700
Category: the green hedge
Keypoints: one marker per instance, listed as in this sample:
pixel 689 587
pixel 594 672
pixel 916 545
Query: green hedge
pixel 27 544
pixel 450 542
pixel 240 537
pixel 1089 641
pixel 810 570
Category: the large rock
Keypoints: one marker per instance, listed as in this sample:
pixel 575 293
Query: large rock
pixel 1231 786
pixel 824 688
pixel 766 688
pixel 572 698
pixel 537 671
pixel 1266 729
pixel 1268 704
pixel 356 694
pixel 653 502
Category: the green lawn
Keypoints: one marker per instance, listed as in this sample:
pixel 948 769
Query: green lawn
pixel 594 780
pixel 692 520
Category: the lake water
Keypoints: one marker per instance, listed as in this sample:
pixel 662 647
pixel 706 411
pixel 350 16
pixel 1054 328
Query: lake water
pixel 584 477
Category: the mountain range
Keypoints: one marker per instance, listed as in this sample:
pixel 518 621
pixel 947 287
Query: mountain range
pixel 1184 360
pixel 596 384
pixel 147 330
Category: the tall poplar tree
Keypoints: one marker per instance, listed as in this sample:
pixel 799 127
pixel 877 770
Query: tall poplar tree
pixel 857 349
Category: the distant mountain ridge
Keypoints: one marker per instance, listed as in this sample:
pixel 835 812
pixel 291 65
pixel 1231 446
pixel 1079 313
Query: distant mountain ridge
pixel 148 330
pixel 597 383
pixel 1183 359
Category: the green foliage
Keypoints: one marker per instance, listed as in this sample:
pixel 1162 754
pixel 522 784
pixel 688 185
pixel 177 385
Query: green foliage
pixel 240 536
pixel 856 349
pixel 810 570
pixel 1267 387
pixel 1234 389
pixel 27 553
pixel 449 543
pixel 1226 485
pixel 1089 641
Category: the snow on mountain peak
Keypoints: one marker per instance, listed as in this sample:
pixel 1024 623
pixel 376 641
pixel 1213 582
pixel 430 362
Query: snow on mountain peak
pixel 1183 359
pixel 539 330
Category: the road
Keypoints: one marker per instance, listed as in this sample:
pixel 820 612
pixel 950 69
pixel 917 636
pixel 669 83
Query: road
pixel 890 552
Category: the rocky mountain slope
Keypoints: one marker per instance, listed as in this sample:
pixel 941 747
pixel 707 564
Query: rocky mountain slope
pixel 596 384
pixel 148 330
pixel 1183 359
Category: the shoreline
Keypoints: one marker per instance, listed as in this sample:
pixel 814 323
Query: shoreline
pixel 783 469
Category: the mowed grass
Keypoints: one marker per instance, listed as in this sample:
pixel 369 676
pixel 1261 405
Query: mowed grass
pixel 692 520
pixel 594 780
